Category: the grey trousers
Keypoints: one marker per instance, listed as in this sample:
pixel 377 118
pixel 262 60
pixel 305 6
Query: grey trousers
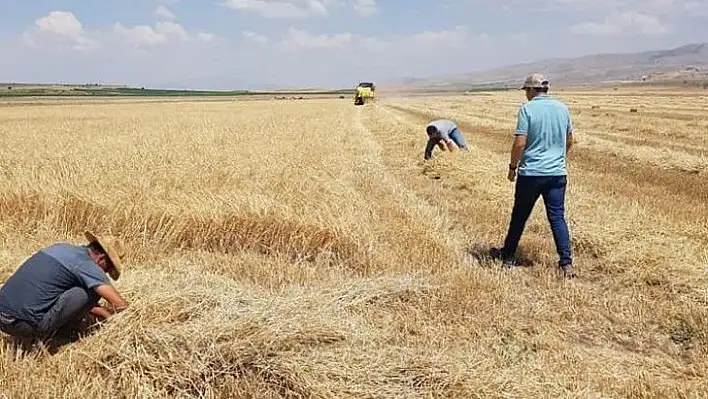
pixel 68 309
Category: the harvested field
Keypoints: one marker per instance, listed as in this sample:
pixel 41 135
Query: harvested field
pixel 303 249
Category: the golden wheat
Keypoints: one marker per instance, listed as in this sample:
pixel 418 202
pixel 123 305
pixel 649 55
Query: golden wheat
pixel 302 249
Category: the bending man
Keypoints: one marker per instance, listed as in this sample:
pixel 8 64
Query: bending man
pixel 445 134
pixel 58 286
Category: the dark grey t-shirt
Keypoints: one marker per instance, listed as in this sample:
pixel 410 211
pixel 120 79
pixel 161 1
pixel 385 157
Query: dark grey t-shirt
pixel 32 290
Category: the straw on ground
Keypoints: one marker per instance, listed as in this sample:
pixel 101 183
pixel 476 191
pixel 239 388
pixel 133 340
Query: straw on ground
pixel 302 249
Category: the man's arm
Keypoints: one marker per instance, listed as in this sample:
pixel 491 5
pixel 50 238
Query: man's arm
pixel 447 141
pixel 569 134
pixel 101 312
pixel 517 149
pixel 94 278
pixel 522 129
pixel 107 292
pixel 429 148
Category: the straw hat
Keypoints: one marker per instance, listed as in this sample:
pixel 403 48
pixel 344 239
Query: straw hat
pixel 115 249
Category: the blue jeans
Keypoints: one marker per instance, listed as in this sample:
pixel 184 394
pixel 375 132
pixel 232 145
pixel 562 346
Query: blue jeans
pixel 528 189
pixel 455 136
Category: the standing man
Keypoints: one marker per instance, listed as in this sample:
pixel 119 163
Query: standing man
pixel 445 134
pixel 538 156
pixel 56 287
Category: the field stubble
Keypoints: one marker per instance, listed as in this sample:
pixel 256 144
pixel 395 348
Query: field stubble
pixel 302 249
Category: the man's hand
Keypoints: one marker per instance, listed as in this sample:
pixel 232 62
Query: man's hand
pixel 512 175
pixel 100 312
pixel 451 145
pixel 112 296
pixel 441 145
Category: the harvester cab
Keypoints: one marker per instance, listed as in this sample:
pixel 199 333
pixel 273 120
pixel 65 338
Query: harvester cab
pixel 364 93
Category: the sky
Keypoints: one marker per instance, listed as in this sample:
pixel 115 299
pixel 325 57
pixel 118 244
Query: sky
pixel 261 44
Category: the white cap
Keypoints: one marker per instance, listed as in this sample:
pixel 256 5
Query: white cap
pixel 535 81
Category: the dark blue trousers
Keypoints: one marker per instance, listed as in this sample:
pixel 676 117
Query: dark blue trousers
pixel 69 308
pixel 552 189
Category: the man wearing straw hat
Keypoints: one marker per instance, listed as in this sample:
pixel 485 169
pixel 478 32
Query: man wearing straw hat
pixel 59 285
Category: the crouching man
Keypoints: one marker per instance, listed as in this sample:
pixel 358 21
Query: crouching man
pixel 53 290
pixel 445 134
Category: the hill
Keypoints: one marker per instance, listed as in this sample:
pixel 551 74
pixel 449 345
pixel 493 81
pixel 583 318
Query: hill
pixel 685 64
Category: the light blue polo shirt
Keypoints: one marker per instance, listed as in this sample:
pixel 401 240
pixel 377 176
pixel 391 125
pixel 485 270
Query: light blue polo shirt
pixel 546 123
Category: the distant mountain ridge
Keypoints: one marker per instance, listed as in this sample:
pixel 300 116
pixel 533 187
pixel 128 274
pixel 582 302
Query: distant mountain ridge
pixel 685 63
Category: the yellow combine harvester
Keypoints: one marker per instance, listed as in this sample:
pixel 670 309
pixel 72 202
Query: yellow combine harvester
pixel 364 93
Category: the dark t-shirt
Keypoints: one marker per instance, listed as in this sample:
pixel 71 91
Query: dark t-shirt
pixel 32 290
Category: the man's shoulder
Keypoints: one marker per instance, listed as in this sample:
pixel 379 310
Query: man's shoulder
pixel 63 245
pixel 560 103
pixel 62 248
pixel 67 254
pixel 448 124
pixel 441 122
pixel 545 104
pixel 76 258
pixel 556 102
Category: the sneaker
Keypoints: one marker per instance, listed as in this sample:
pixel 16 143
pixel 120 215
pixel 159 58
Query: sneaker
pixel 567 271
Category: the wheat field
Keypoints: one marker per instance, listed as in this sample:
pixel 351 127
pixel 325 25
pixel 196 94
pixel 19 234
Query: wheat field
pixel 303 249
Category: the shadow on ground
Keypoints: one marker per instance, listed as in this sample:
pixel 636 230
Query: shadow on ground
pixel 482 253
pixel 20 347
